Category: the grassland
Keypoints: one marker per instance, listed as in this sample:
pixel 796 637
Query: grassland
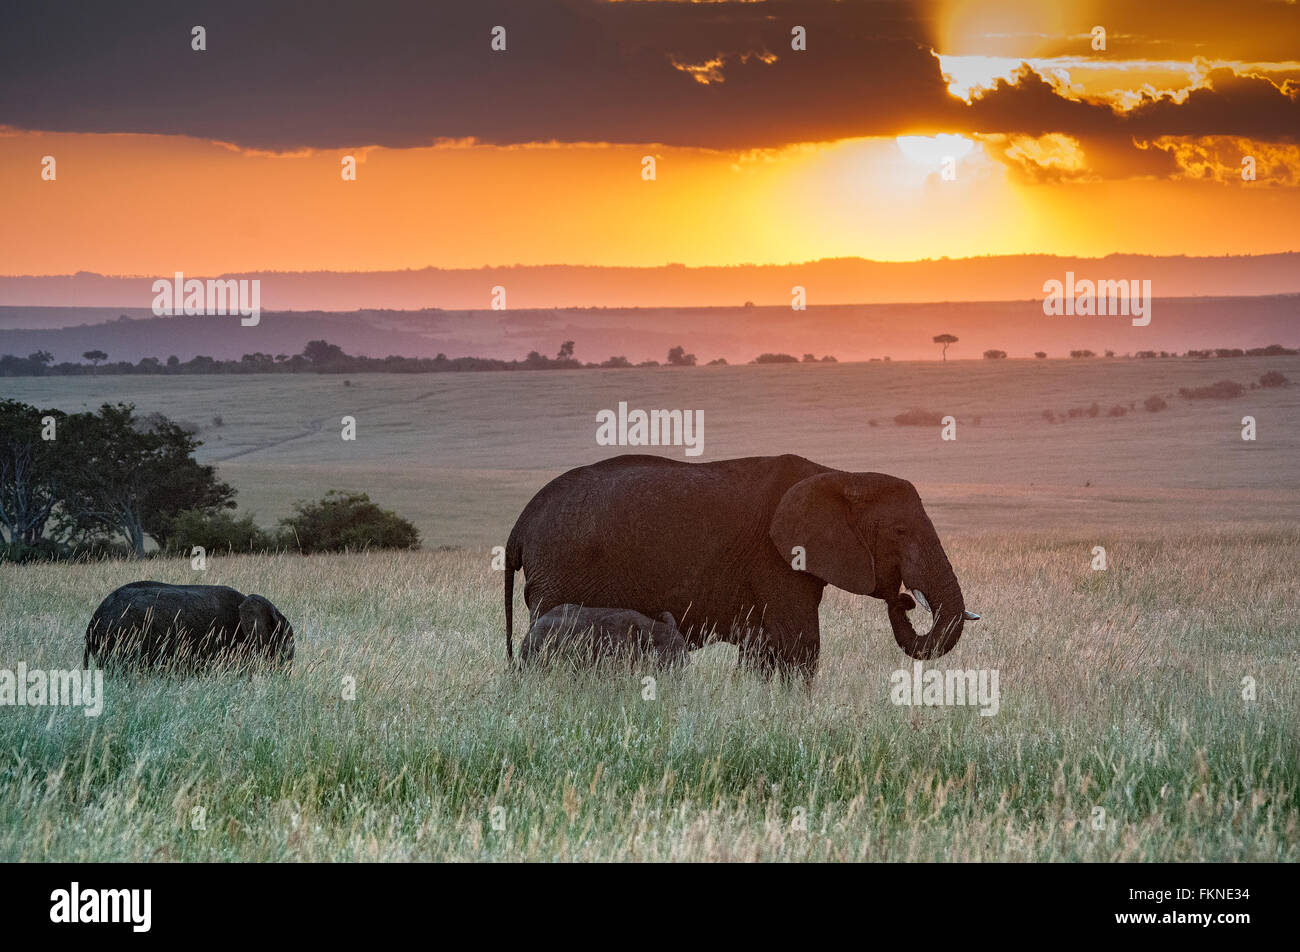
pixel 1119 689
pixel 460 454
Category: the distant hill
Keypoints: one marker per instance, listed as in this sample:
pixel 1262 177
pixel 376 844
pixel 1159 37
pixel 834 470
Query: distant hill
pixel 738 334
pixel 829 281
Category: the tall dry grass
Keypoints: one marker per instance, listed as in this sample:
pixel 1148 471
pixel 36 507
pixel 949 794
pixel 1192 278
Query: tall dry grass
pixel 1120 690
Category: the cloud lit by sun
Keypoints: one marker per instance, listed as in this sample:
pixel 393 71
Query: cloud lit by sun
pixel 967 74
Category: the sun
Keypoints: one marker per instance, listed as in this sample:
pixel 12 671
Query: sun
pixel 931 151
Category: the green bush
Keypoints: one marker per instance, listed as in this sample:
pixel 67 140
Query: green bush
pixel 220 531
pixel 43 550
pixel 346 522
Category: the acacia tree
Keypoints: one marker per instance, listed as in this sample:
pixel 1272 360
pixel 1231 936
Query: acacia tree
pixel 134 476
pixel 323 353
pixel 677 357
pixel 945 340
pixel 31 470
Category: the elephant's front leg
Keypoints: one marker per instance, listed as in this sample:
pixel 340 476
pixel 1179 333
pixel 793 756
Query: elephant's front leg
pixel 785 646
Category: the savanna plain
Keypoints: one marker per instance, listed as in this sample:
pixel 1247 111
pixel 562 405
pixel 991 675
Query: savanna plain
pixel 1148 711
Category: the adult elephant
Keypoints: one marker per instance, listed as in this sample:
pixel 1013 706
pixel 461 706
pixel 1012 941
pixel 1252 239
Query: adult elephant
pixel 738 549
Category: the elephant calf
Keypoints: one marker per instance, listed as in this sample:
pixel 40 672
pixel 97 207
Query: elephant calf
pixel 586 636
pixel 192 627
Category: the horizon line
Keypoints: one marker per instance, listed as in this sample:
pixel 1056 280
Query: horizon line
pixel 694 267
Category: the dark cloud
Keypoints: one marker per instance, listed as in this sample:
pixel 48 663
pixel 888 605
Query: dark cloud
pixel 1252 106
pixel 1228 105
pixel 1117 144
pixel 406 73
pixel 284 76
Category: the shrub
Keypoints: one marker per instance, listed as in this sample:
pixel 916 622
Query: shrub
pixel 1117 411
pixel 1049 416
pixel 1272 350
pixel 1155 403
pixel 347 522
pixel 1273 379
pixel 995 355
pixel 1082 353
pixel 42 550
pixel 1040 354
pixel 776 359
pixel 217 532
pixel 1223 390
pixel 919 418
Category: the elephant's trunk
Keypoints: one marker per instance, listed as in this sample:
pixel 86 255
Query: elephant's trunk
pixel 943 595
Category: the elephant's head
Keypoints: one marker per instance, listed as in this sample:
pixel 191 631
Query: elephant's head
pixel 266 630
pixel 868 533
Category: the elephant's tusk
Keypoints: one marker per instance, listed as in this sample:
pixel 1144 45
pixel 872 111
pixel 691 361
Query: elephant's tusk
pixel 920 600
pixel 971 616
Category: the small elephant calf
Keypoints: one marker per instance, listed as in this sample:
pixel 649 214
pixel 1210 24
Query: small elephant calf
pixel 586 636
pixel 190 627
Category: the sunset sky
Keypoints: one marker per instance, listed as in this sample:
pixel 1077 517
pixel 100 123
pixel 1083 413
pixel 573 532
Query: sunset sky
pixel 229 159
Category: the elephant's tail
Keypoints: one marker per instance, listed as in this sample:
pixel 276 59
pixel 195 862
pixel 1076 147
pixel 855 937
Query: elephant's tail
pixel 514 562
pixel 90 640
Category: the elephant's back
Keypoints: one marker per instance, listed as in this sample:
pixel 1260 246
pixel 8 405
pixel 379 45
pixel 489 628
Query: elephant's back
pixel 651 534
pixel 633 486
pixel 611 497
pixel 152 604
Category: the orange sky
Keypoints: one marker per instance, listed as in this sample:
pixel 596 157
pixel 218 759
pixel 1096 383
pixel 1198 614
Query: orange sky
pixel 1050 156
pixel 129 204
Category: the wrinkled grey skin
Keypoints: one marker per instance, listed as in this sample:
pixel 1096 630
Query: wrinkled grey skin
pixel 188 627
pixel 587 636
pixel 738 550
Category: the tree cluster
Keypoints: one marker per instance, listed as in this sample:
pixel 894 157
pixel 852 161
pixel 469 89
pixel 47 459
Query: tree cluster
pixel 110 482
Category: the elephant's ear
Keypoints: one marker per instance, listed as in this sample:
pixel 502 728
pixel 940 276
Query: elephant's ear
pixel 256 619
pixel 814 515
pixel 668 619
